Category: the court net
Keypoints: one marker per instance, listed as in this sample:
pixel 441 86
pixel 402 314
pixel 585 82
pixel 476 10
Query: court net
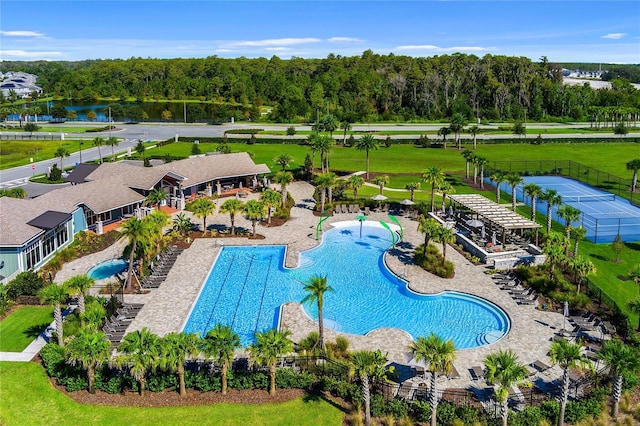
pixel 588 198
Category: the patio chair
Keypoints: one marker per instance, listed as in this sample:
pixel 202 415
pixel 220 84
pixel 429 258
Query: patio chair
pixel 367 211
pixel 345 209
pixel 476 372
pixel 540 366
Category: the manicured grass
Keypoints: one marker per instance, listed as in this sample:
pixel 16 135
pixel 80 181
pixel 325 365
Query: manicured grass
pixel 15 153
pixel 19 329
pixel 27 398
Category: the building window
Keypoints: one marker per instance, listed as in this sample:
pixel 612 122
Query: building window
pixel 49 243
pixel 90 216
pixel 62 236
pixel 33 254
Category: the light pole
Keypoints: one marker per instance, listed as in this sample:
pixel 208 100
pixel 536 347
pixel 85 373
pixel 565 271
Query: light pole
pixel 80 144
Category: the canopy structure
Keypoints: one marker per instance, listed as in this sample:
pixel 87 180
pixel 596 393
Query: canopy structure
pixel 494 213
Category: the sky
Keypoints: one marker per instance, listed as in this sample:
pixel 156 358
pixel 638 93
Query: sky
pixel 564 31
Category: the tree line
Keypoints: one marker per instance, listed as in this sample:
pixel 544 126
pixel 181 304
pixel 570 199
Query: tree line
pixel 365 88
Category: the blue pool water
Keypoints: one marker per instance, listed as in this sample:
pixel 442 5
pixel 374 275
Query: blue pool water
pixel 248 284
pixel 107 269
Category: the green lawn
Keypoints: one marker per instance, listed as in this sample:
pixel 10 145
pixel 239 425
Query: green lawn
pixel 27 398
pixel 15 153
pixel 22 326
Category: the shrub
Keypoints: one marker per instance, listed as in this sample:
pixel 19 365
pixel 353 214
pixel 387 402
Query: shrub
pixel 159 381
pixel 348 391
pixel 287 379
pixel 53 359
pixel 446 413
pixel 421 411
pixel 203 381
pixel 74 382
pixel 581 409
pixel 528 416
pixel 55 174
pixel 26 283
pixel 551 411
pixel 110 381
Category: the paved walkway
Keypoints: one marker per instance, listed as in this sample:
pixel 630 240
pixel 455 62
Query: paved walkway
pixel 167 308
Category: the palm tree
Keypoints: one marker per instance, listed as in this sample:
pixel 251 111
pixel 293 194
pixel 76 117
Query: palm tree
pixel 534 191
pixel 203 207
pixel 283 160
pixel 284 179
pixel 555 248
pixel 254 211
pixel 552 198
pixel 99 141
pixel 270 199
pixel 182 224
pixel 513 179
pixel 412 187
pixel 90 349
pixel 113 141
pixel 505 370
pixel 578 234
pixel 355 182
pixel 569 214
pixel 232 207
pixel 134 230
pixel 140 149
pixel 444 131
pixel 175 349
pixel 445 236
pixel 332 182
pixel 268 347
pixel 435 177
pixel 324 144
pixel 458 121
pixel 77 285
pixel 55 295
pixel 367 365
pixel 366 143
pixel 468 155
pixel 429 227
pixel 61 153
pixel 445 188
pixel 94 315
pixel 622 360
pixel 438 355
pixel 498 176
pixel 156 222
pixel 581 267
pixel 474 130
pixel 634 306
pixel 481 163
pixel 316 287
pixel 634 165
pixel 346 126
pixel 323 181
pixel 156 197
pixel 569 357
pixel 381 181
pixel 140 353
pixel 221 343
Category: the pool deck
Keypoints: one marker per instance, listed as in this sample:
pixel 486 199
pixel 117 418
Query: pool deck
pixel 166 309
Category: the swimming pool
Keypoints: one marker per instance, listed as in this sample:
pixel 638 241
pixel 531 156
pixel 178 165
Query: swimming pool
pixel 107 269
pixel 248 284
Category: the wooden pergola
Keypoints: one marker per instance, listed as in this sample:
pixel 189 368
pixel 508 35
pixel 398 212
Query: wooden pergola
pixel 495 213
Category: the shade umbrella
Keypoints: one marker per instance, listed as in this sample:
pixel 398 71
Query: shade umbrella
pixel 494 238
pixel 565 313
pixel 379 197
pixel 483 233
pixel 406 202
pixel 450 210
pixel 475 223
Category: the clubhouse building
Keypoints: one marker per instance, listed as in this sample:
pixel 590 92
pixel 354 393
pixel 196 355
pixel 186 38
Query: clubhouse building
pixel 33 230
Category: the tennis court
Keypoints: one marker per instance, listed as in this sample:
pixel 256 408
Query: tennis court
pixel 604 215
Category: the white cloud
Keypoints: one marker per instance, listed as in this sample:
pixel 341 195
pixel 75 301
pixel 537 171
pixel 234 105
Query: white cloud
pixel 273 42
pixel 277 49
pixel 25 54
pixel 433 48
pixel 418 47
pixel 344 40
pixel 21 33
pixel 614 36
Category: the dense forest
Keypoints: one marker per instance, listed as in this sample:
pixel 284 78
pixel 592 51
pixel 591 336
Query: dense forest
pixel 364 88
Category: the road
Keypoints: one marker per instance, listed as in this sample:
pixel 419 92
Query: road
pixel 129 134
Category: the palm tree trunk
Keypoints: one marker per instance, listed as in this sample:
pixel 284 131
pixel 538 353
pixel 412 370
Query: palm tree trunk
pixel 322 199
pixel 575 249
pixel 320 325
pixel 284 196
pixel 142 385
pixel 130 271
pixel 533 209
pixel 81 303
pixel 444 252
pixel 548 218
pixel 513 199
pixel 91 376
pixel 434 399
pixel 223 379
pixel 57 315
pixel 564 396
pixel 367 399
pixel 616 393
pixel 272 379
pixel 233 227
pixel 505 411
pixel 634 181
pixel 113 154
pixel 183 387
pixel 367 164
pixel 253 225
pixel 433 196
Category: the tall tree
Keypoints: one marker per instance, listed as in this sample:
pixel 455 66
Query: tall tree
pixel 622 360
pixel 232 207
pixel 433 175
pixel 156 197
pixel 367 366
pixel 533 191
pixel 221 343
pixel 568 356
pixel 366 143
pixel 467 155
pixel 316 287
pixel 203 207
pixel 346 126
pixel 175 349
pixel 634 166
pixel 323 182
pixel 283 160
pixel 458 121
pixel 474 130
pixel 505 370
pixel 569 214
pixel 113 142
pixel 498 176
pixel 270 199
pixel 481 163
pixel 55 295
pixel 438 355
pixel 134 230
pixel 429 227
pixel 268 347
pixel 89 349
pixel 552 198
pixel 412 187
pixel 578 234
pixel 581 267
pixel 99 141
pixel 254 211
pixel 77 286
pixel 355 182
pixel 445 236
pixel 513 179
pixel 61 153
pixel 283 179
pixel 140 352
pixel 381 181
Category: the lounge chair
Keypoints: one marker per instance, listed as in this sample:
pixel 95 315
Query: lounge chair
pixel 476 372
pixel 345 209
pixel 540 366
pixel 367 211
